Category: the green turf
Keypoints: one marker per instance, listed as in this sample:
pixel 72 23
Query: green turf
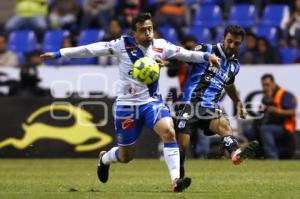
pixel 76 178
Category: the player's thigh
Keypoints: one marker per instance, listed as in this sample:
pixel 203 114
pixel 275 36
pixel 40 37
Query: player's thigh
pixel 165 129
pixel 220 126
pixel 157 117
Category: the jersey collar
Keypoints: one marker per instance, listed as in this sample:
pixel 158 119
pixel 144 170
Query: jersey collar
pixel 219 46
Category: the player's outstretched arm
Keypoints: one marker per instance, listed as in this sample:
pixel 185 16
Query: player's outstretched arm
pixel 233 94
pixel 91 50
pixel 179 53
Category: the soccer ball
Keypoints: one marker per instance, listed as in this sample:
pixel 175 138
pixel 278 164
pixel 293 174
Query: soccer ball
pixel 146 70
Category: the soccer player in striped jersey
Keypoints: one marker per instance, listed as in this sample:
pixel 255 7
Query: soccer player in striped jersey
pixel 137 104
pixel 200 102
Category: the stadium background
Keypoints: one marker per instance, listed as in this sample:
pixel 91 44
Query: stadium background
pixel 90 83
pixel 53 113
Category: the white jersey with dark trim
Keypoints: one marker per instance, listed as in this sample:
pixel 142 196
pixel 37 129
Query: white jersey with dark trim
pixel 131 91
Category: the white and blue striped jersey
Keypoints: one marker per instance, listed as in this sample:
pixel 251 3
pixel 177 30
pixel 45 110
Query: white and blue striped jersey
pixel 127 50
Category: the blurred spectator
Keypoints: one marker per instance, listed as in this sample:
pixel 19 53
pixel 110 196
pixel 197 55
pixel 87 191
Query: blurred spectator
pixel 97 13
pixel 248 54
pixel 174 13
pixel 114 32
pixel 64 14
pixel 29 14
pixel 28 86
pixel 277 128
pixel 181 69
pixel 293 24
pixel 157 34
pixel 128 9
pixel 7 58
pixel 67 43
pixel 266 53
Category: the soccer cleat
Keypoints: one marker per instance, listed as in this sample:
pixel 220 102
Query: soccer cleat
pixel 179 185
pixel 241 154
pixel 102 169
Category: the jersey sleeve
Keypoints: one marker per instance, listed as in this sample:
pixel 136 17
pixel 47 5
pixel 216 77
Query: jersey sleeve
pixel 234 72
pixel 289 101
pixel 204 48
pixel 93 50
pixel 176 52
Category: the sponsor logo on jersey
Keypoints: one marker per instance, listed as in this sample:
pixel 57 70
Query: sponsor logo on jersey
pixel 159 50
pixel 130 47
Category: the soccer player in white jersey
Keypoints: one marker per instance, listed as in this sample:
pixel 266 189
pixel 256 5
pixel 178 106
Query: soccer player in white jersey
pixel 137 104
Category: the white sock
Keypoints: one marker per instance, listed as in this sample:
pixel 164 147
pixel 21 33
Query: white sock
pixel 110 156
pixel 171 155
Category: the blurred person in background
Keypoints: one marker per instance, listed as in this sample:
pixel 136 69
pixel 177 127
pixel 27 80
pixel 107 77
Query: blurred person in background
pixel 68 42
pixel 28 86
pixel 114 32
pixel 181 69
pixel 7 58
pixel 279 122
pixel 64 15
pixel 293 24
pixel 127 10
pixel 174 13
pixel 248 54
pixel 266 53
pixel 276 130
pixel 97 13
pixel 29 14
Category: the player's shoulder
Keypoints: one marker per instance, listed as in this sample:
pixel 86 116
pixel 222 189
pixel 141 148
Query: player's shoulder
pixel 116 42
pixel 235 61
pixel 204 47
pixel 161 42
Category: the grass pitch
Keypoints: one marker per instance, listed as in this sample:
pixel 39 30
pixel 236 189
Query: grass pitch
pixel 76 178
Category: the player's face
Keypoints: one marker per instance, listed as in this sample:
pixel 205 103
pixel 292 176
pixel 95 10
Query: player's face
pixel 232 44
pixel 268 87
pixel 2 44
pixel 144 33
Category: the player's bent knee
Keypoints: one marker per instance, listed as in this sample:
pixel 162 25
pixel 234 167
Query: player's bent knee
pixel 125 159
pixel 168 134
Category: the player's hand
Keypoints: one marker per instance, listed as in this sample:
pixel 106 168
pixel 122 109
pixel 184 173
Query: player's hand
pixel 47 56
pixel 242 113
pixel 162 63
pixel 214 60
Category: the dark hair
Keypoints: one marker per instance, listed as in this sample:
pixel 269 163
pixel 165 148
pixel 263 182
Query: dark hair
pixel 188 38
pixel 251 34
pixel 267 76
pixel 4 35
pixel 140 18
pixel 235 30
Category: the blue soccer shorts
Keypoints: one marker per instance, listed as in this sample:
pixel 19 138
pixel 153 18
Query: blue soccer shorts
pixel 129 120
